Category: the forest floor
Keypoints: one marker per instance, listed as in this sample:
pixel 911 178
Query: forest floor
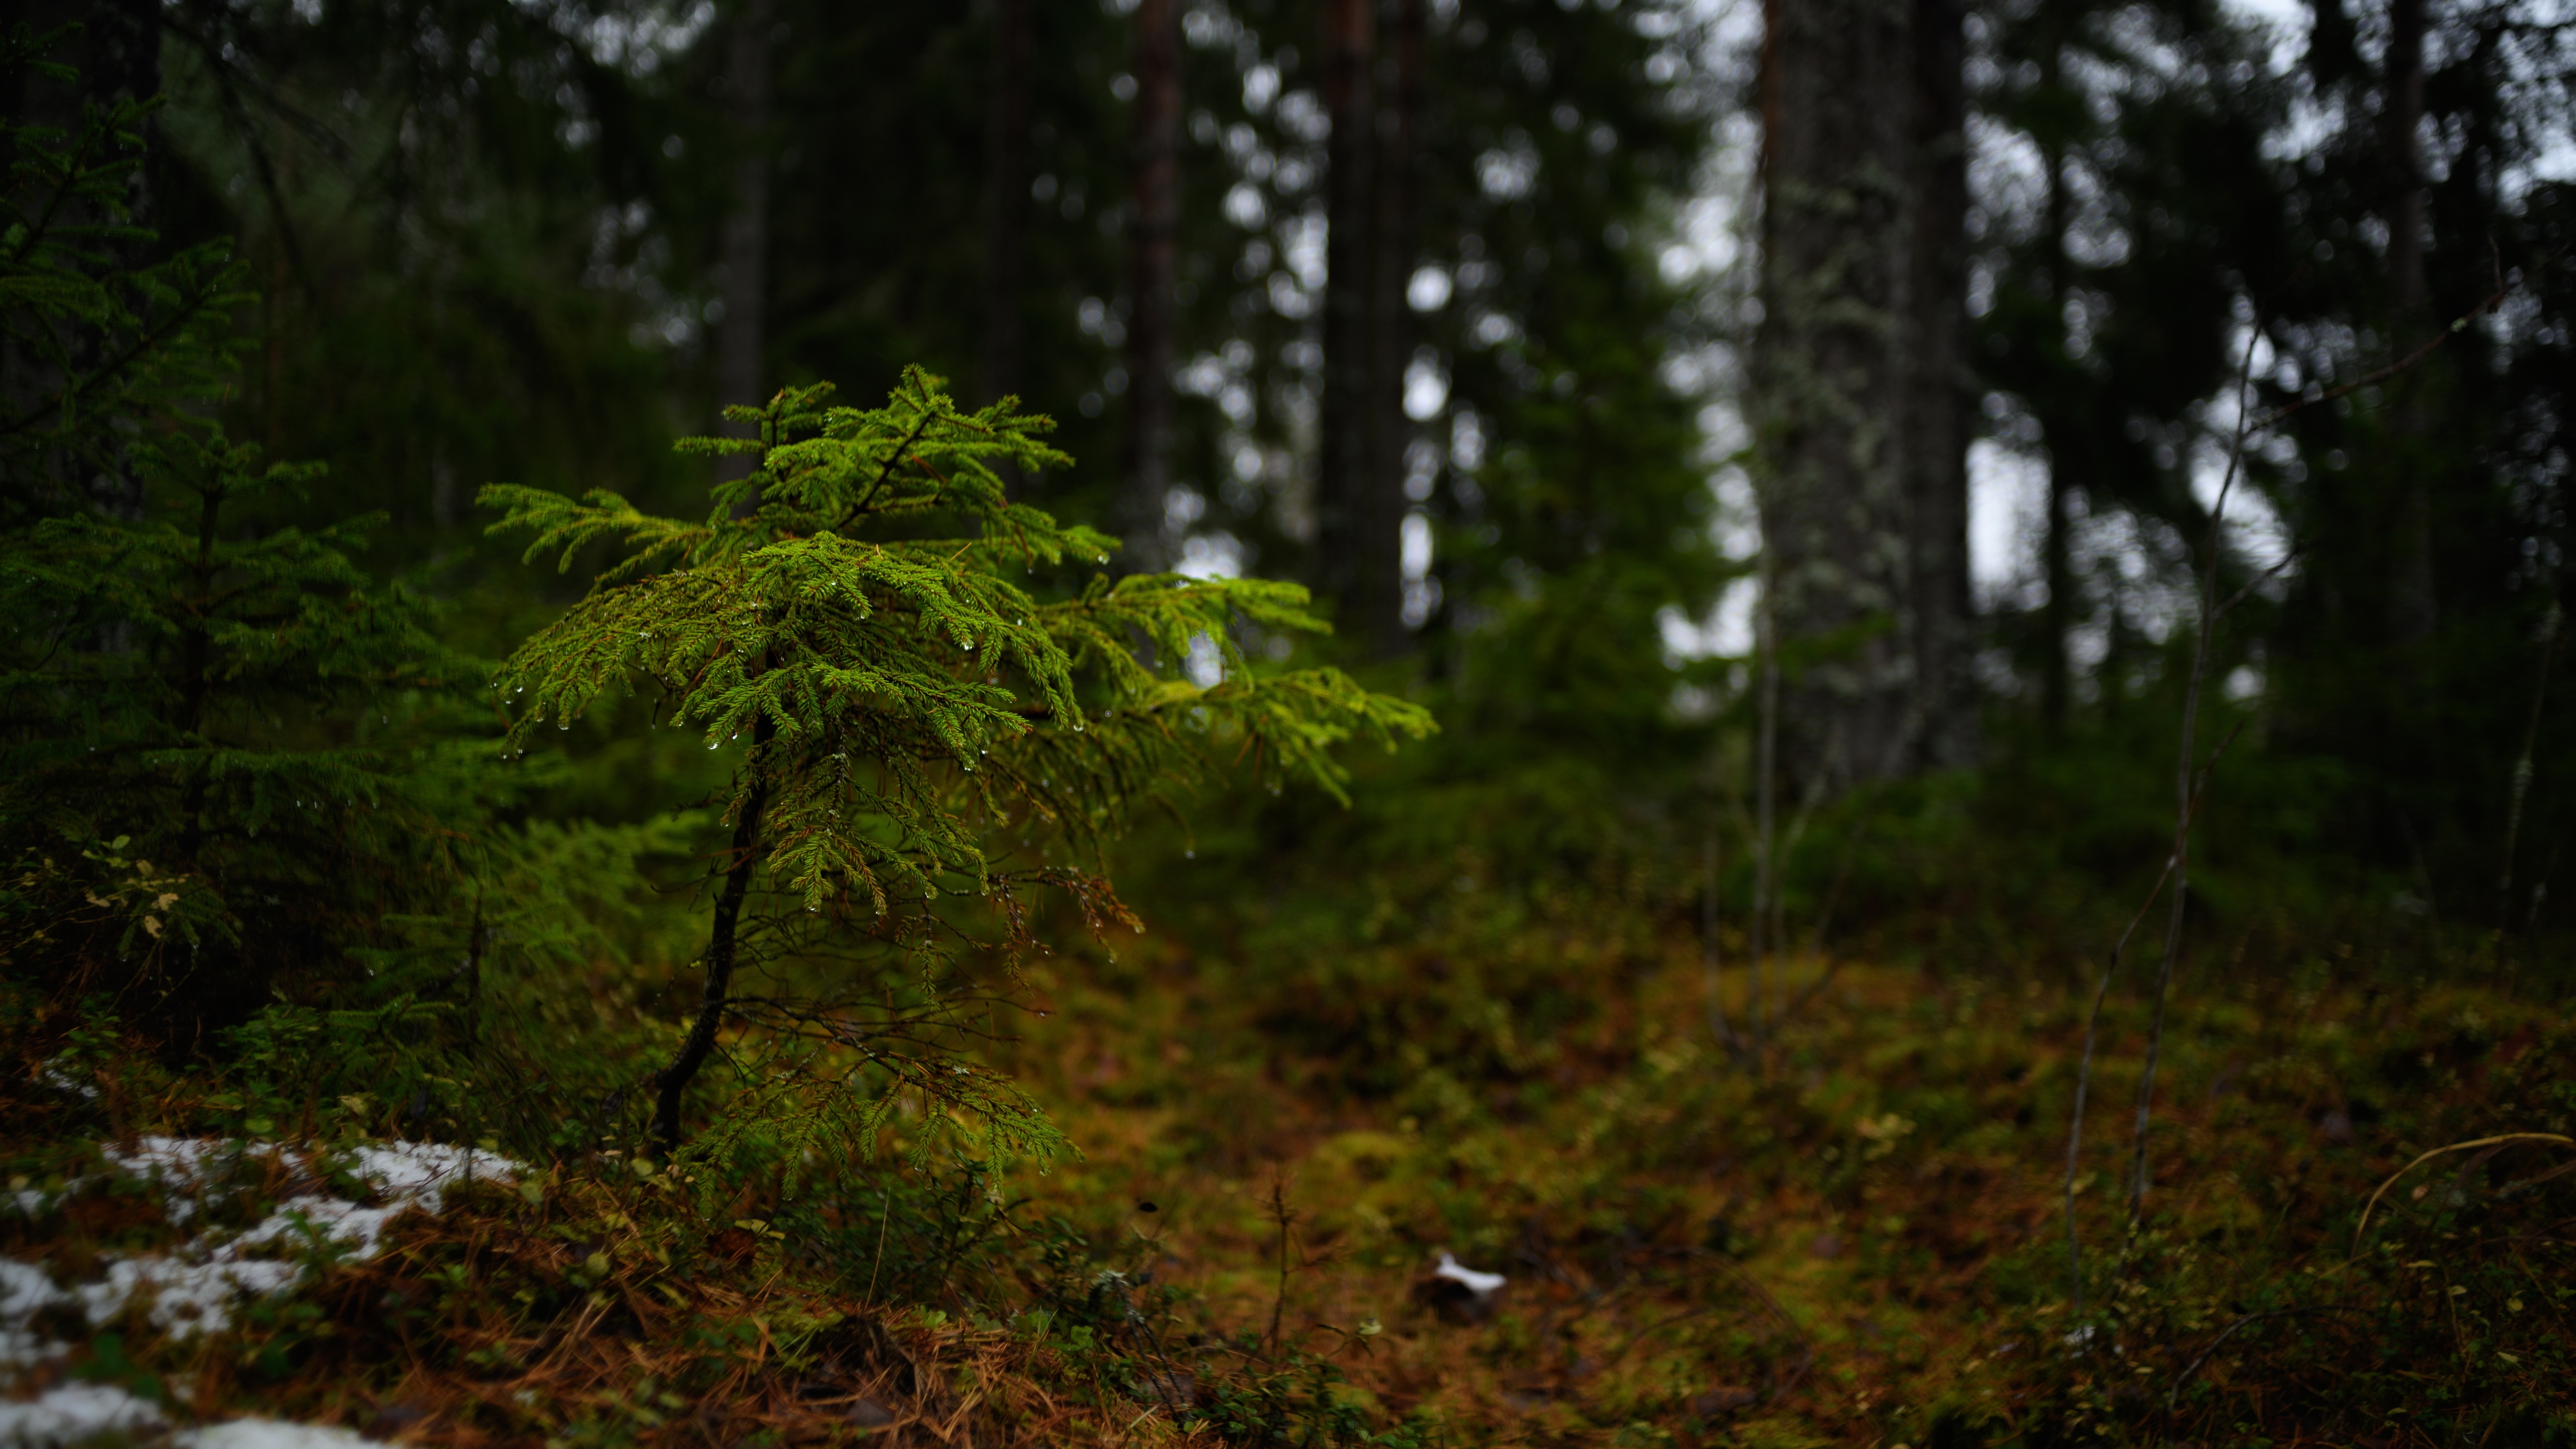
pixel 1854 1234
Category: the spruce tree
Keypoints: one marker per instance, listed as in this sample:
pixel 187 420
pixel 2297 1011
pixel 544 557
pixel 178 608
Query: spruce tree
pixel 92 341
pixel 220 740
pixel 926 739
pixel 244 706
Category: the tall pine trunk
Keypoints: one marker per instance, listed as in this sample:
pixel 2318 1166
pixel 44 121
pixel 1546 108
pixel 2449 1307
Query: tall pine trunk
pixel 1343 465
pixel 1829 375
pixel 1939 382
pixel 1399 237
pixel 1154 218
pixel 744 251
pixel 1859 378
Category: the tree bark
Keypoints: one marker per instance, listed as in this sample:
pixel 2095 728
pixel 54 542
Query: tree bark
pixel 723 944
pixel 740 335
pixel 1830 380
pixel 1343 465
pixel 1154 203
pixel 1380 534
pixel 1939 381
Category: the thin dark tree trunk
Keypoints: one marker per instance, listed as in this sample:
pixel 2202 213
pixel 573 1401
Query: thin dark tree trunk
pixel 740 336
pixel 723 944
pixel 2411 590
pixel 2056 685
pixel 1342 480
pixel 1154 203
pixel 1006 211
pixel 1399 231
pixel 1944 714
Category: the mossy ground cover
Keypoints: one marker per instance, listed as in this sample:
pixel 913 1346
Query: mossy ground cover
pixel 1853 1235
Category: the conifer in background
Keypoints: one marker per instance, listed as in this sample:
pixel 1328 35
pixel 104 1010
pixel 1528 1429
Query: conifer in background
pixel 246 719
pixel 219 739
pixel 927 742
pixel 91 341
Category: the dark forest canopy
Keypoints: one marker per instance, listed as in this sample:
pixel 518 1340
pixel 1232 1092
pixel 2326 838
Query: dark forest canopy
pixel 513 241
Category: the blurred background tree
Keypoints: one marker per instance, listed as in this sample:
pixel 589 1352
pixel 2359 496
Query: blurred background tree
pixel 1502 323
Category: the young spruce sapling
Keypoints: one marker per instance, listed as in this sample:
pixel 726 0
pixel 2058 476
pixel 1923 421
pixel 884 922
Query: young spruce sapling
pixel 924 743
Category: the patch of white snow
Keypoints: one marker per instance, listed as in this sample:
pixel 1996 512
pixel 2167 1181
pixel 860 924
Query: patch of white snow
pixel 194 1285
pixel 70 1413
pixel 53 1075
pixel 268 1434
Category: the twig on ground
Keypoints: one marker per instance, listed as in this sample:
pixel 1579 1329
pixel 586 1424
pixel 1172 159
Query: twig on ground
pixel 2173 1392
pixel 1281 1214
pixel 2367 1208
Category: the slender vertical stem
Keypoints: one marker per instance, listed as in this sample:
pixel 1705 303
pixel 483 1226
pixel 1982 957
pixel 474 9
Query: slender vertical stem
pixel 2084 1081
pixel 1711 987
pixel 2522 766
pixel 2075 1135
pixel 884 1217
pixel 2204 625
pixel 1766 783
pixel 1280 1214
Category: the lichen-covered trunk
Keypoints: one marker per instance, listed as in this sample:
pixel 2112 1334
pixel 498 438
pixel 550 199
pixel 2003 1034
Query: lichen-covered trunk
pixel 1859 382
